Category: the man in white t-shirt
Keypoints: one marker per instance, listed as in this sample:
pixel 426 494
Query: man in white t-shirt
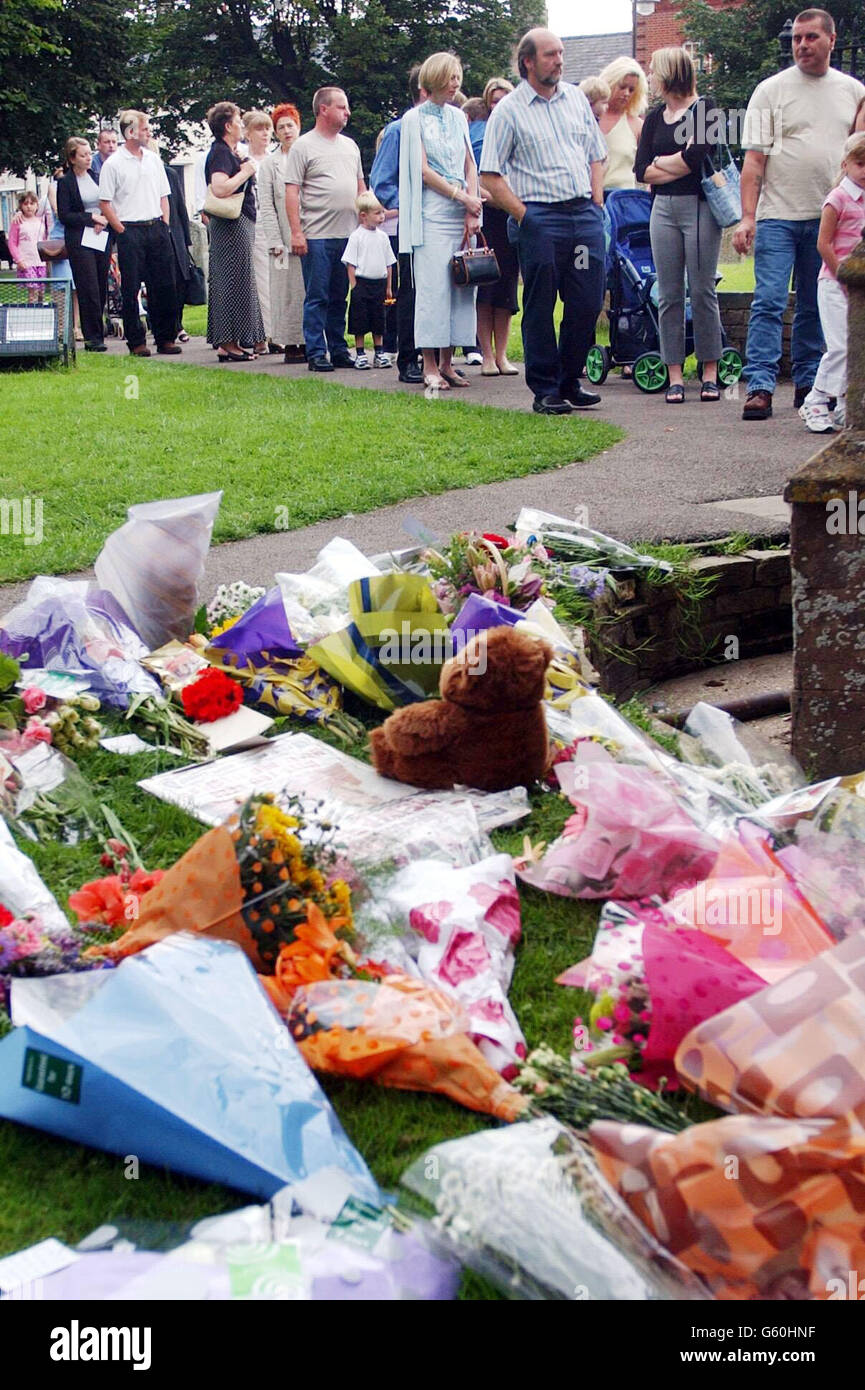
pixel 324 178
pixel 133 197
pixel 795 128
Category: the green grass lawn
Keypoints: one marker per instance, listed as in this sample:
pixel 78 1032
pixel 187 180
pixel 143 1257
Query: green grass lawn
pixel 286 452
pixel 51 1187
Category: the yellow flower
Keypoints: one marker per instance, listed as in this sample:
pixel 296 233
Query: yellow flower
pixel 223 627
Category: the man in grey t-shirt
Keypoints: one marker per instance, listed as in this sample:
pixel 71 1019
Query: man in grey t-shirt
pixel 795 128
pixel 323 179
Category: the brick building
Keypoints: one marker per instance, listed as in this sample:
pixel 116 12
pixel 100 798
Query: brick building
pixel 664 27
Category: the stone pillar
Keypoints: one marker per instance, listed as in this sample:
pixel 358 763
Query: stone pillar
pixel 827 538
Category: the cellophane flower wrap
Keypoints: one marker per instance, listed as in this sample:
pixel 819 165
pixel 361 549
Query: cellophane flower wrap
pixel 651 985
pixel 628 838
pixel 248 881
pixel 398 1032
pixel 29 947
pixel 458 928
pixel 766 1203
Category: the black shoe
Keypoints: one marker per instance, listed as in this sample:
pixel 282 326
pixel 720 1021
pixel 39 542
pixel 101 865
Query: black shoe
pixel 319 364
pixel 413 376
pixel 551 405
pixel 95 346
pixel 799 396
pixel 342 360
pixel 581 399
pixel 169 350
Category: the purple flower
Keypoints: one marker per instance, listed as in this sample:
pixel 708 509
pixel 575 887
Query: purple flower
pixel 588 581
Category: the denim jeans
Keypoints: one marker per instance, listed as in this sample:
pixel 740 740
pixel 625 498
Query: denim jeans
pixel 561 253
pixel 325 280
pixel 782 247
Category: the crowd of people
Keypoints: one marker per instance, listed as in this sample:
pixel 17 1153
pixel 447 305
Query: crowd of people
pixel 523 169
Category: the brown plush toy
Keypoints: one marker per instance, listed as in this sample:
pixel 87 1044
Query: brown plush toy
pixel 488 729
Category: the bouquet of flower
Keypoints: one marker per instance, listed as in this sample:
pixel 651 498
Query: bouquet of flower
pixel 28 948
pixel 228 604
pixel 397 1031
pixel 35 717
pixel 210 696
pixel 113 901
pixel 283 860
pixel 650 986
pixel 629 838
pixel 570 541
pixel 475 563
pixel 250 881
pixel 578 1098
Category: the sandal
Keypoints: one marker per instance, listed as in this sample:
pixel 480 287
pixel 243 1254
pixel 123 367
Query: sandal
pixel 457 379
pixel 710 391
pixel 675 395
pixel 436 383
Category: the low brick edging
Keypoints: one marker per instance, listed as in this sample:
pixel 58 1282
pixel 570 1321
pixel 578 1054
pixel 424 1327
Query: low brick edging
pixel 736 311
pixel 747 613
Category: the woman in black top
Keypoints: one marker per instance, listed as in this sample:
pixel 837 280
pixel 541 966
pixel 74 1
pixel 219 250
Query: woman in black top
pixel 78 209
pixel 674 142
pixel 233 311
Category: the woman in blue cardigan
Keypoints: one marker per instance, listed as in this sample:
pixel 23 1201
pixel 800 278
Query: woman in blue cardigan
pixel 439 206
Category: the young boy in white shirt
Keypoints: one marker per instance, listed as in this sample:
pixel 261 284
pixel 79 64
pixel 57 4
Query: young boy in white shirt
pixel 368 258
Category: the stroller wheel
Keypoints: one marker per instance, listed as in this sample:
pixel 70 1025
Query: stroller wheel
pixel 730 366
pixel 650 372
pixel 597 364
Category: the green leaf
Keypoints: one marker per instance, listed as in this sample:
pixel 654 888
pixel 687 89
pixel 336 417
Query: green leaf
pixel 10 671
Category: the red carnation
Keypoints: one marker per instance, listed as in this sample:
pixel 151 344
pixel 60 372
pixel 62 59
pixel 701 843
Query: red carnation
pixel 212 696
pixel 5 916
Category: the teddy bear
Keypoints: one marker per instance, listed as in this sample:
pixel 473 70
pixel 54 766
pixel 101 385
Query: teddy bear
pixel 487 731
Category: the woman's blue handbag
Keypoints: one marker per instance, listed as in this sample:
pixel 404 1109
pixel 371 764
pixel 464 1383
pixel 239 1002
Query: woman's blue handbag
pixel 722 188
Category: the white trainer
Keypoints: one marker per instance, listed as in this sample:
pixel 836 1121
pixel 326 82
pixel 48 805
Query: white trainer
pixel 817 418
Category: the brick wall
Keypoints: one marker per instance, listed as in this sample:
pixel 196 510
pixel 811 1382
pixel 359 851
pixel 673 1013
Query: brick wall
pixel 735 312
pixel 750 601
pixel 664 28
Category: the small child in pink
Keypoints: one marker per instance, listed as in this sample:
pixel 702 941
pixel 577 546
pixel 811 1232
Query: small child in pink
pixel 841 226
pixel 24 238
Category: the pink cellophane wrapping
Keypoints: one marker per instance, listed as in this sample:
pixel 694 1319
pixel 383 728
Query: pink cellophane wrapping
pixel 629 838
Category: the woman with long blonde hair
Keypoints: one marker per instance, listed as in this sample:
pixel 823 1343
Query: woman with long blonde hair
pixel 621 124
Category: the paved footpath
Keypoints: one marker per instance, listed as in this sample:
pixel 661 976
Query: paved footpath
pixel 687 472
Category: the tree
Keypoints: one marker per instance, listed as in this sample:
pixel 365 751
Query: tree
pixel 62 64
pixel 743 43
pixel 256 52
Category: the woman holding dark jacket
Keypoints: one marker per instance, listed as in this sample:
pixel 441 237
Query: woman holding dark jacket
pixel 674 142
pixel 78 209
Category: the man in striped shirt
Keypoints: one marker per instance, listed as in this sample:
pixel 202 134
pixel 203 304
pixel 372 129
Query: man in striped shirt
pixel 542 161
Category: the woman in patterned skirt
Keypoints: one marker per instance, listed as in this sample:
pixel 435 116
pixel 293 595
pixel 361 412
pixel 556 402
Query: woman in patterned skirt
pixel 233 310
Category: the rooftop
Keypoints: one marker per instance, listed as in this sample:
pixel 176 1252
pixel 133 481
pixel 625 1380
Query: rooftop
pixel 587 54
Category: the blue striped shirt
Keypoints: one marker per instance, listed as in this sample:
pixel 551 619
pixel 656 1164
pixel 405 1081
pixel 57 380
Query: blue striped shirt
pixel 543 146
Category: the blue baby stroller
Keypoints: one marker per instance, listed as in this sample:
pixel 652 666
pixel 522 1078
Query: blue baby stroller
pixel 633 312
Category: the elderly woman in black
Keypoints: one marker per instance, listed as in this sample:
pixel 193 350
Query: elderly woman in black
pixel 78 210
pixel 233 311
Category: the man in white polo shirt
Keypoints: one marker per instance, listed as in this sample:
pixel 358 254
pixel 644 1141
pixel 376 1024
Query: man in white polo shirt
pixel 133 195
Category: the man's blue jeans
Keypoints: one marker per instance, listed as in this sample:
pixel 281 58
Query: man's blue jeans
pixel 780 248
pixel 561 252
pixel 325 280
